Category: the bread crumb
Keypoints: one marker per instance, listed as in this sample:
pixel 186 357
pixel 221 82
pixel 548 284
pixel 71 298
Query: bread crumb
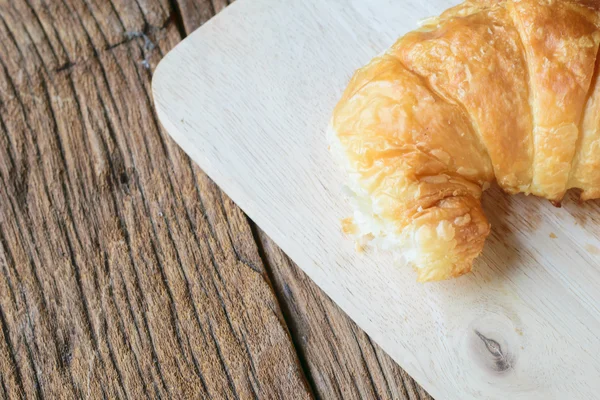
pixel 553 236
pixel 359 248
pixel 348 226
pixel 519 331
pixel 592 249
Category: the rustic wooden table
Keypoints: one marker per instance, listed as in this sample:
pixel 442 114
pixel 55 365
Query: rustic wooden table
pixel 125 272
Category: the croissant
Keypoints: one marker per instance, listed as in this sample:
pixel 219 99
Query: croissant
pixel 503 91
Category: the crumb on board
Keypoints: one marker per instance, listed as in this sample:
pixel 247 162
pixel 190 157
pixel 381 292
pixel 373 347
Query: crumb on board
pixel 592 249
pixel 553 235
pixel 348 226
pixel 359 248
pixel 519 331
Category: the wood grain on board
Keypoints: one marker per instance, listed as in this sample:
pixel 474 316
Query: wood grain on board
pixel 125 272
pixel 523 325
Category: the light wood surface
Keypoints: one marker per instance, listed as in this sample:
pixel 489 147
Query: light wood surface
pixel 124 271
pixel 248 97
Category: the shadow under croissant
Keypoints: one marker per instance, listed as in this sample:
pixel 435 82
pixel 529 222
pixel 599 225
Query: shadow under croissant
pixel 585 213
pixel 507 218
pixel 514 216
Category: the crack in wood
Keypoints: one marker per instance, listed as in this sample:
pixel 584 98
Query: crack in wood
pixel 177 17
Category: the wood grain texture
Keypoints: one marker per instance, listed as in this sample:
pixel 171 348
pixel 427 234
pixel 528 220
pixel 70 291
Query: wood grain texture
pixel 124 271
pixel 340 360
pixel 524 325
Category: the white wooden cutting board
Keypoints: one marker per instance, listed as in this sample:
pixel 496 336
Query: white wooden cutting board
pixel 248 96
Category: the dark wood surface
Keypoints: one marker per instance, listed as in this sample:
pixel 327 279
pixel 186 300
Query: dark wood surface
pixel 124 271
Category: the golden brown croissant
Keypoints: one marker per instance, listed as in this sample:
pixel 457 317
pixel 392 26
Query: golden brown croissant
pixel 490 90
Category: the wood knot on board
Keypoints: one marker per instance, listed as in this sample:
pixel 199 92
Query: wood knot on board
pixel 502 360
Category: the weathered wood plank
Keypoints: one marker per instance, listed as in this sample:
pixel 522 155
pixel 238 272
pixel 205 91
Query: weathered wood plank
pixel 341 360
pixel 196 12
pixel 124 271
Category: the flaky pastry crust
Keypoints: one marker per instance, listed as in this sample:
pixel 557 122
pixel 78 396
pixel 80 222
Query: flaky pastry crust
pixel 503 91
